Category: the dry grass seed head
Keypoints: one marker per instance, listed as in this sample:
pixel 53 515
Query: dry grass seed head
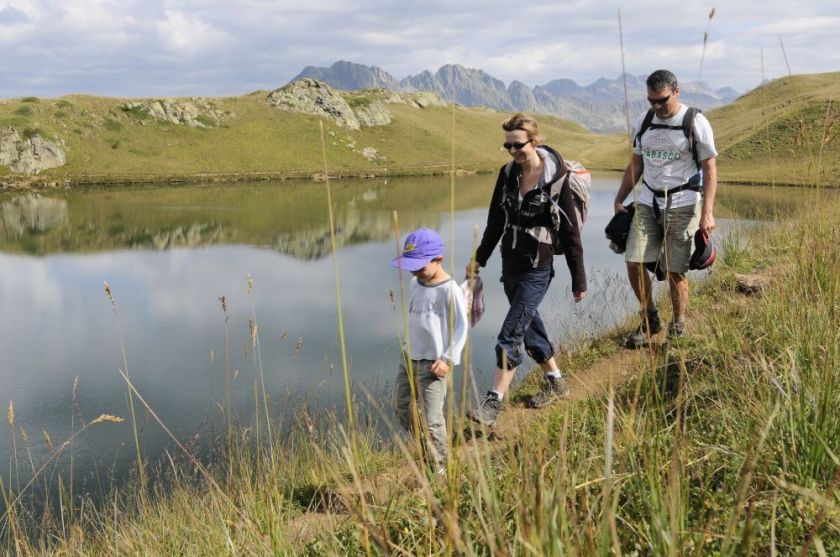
pixel 48 441
pixel 110 295
pixel 107 418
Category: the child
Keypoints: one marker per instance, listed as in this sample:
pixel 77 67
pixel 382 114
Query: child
pixel 436 306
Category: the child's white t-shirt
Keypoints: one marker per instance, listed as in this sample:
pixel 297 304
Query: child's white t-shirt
pixel 429 308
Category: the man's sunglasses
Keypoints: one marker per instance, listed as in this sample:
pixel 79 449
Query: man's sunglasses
pixel 660 102
pixel 515 146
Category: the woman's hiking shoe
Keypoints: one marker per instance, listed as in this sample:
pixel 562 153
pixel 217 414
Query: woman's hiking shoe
pixel 552 389
pixel 676 329
pixel 487 412
pixel 650 325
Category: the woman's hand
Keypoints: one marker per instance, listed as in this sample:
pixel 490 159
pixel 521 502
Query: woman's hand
pixel 440 368
pixel 472 268
pixel 579 296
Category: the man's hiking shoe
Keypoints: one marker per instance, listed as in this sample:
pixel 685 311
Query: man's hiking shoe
pixel 641 336
pixel 676 329
pixel 487 412
pixel 552 389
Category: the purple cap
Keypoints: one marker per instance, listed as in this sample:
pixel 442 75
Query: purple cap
pixel 421 246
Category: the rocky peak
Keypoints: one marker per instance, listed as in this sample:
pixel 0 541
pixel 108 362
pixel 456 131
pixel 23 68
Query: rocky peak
pixel 522 96
pixel 349 76
pixel 562 88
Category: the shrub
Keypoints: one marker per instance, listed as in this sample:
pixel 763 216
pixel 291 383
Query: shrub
pixel 136 112
pixel 206 121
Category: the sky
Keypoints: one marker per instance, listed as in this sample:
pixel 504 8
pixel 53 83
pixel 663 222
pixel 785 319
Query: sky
pixel 140 48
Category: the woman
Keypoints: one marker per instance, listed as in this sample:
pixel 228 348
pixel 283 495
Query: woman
pixel 520 216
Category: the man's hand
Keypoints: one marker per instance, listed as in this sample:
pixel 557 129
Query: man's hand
pixel 707 222
pixel 440 368
pixel 579 296
pixel 619 207
pixel 472 268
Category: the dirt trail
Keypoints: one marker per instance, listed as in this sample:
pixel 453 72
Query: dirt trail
pixel 618 367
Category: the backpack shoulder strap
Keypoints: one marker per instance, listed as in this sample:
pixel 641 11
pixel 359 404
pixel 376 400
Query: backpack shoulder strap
pixel 508 167
pixel 645 125
pixel 688 130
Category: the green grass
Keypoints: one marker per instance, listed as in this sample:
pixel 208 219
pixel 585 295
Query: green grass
pixel 24 110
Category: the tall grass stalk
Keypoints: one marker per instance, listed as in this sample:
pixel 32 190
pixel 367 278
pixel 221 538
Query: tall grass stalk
pixel 466 368
pixel 406 341
pixel 351 422
pixel 784 53
pixel 141 467
pixel 228 387
pixel 255 344
pixel 705 41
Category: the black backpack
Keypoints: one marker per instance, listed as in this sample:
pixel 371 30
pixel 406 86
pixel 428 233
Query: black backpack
pixel 687 128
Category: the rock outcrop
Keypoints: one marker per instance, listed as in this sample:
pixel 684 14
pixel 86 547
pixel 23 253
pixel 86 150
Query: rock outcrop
pixel 28 153
pixel 423 99
pixel 352 110
pixel 314 97
pixel 197 112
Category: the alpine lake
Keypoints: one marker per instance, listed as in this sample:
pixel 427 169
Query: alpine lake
pixel 216 290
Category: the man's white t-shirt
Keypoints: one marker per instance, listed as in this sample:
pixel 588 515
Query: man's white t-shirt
pixel 668 163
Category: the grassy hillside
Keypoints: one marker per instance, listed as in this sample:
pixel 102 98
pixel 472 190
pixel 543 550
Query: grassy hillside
pixel 784 132
pixel 103 141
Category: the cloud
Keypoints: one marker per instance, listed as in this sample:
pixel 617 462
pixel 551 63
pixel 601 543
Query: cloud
pixel 10 16
pixel 159 47
pixel 184 34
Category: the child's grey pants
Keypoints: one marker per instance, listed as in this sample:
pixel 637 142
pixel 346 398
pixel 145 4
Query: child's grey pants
pixel 431 394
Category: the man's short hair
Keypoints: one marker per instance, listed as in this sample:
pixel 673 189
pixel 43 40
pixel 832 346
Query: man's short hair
pixel 661 79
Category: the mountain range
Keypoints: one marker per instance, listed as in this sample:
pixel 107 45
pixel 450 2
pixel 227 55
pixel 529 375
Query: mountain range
pixel 599 106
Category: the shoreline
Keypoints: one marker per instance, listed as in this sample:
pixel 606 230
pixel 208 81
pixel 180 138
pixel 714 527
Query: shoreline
pixel 41 182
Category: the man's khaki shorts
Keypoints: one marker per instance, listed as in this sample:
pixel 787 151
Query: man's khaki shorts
pixel 676 229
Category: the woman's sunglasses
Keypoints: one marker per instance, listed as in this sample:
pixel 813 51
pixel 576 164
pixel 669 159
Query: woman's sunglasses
pixel 515 146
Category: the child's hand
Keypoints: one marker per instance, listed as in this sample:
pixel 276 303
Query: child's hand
pixel 440 368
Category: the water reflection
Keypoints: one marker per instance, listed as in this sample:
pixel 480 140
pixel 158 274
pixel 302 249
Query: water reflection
pixel 289 217
pixel 30 214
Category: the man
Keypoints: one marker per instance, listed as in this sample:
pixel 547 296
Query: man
pixel 675 156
